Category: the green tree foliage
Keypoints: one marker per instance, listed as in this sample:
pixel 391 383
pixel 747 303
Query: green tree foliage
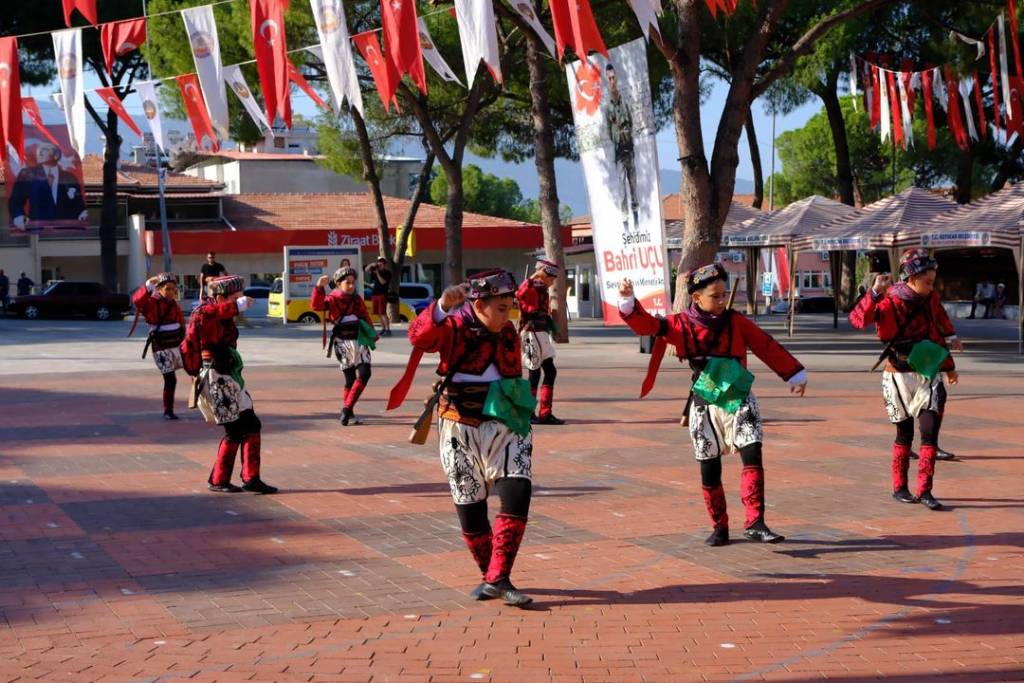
pixel 490 195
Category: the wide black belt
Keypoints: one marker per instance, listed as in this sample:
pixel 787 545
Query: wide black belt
pixel 464 402
pixel 348 330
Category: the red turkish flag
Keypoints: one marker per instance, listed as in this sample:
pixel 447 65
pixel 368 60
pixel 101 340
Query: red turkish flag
pixel 402 36
pixel 1015 123
pixel 994 69
pixel 385 75
pixel 929 112
pixel 86 7
pixel 31 109
pixel 10 100
pixel 121 37
pixel 298 79
pixel 114 102
pixel 272 56
pixel 575 27
pixel 198 115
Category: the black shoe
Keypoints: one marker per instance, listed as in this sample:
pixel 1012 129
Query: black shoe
pixel 348 418
pixel 913 455
pixel 548 419
pixel 225 488
pixel 504 589
pixel 170 416
pixel 944 455
pixel 928 500
pixel 534 420
pixel 718 537
pixel 479 594
pixel 258 486
pixel 760 533
pixel 903 495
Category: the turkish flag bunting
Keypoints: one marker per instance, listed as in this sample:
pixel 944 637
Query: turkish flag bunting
pixel 31 109
pixel 980 104
pixel 114 102
pixel 1015 123
pixel 198 116
pixel 402 37
pixel 929 112
pixel 10 100
pixel 995 77
pixel 956 123
pixel 907 73
pixel 575 27
pixel 385 75
pixel 1016 39
pixel 86 7
pixel 272 56
pixel 894 108
pixel 876 96
pixel 121 37
pixel 298 79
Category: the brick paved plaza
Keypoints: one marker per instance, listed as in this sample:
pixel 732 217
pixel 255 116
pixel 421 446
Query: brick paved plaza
pixel 116 564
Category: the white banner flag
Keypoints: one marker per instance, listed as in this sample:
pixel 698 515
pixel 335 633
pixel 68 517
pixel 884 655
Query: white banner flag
pixel 478 36
pixel 1004 72
pixel 645 15
pixel 202 37
pixel 853 80
pixel 434 57
pixel 966 85
pixel 337 53
pixel 151 110
pixel 615 132
pixel 235 79
pixel 886 115
pixel 906 118
pixel 525 9
pixel 67 46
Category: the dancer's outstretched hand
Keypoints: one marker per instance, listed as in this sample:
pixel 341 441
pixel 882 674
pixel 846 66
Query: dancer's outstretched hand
pixel 453 297
pixel 953 377
pixel 882 282
pixel 798 389
pixel 956 345
pixel 626 288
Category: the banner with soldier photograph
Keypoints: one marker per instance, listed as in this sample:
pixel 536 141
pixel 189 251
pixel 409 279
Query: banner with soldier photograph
pixel 47 190
pixel 615 133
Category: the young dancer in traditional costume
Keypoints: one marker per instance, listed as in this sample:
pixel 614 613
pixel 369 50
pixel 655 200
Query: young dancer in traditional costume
pixel 209 351
pixel 157 302
pixel 352 334
pixel 535 329
pixel 715 340
pixel 917 334
pixel 484 414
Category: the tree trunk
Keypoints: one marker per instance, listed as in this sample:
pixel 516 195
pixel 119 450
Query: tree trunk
pixel 108 211
pixel 848 281
pixel 372 180
pixel 965 176
pixel 840 142
pixel 1009 166
pixel 402 231
pixel 544 158
pixel 454 273
pixel 755 161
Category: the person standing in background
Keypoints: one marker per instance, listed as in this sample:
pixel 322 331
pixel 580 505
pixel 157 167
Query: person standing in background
pixel 380 280
pixel 25 285
pixel 984 294
pixel 5 289
pixel 210 270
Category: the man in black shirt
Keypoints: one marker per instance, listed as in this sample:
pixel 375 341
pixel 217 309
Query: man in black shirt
pixel 5 289
pixel 25 285
pixel 210 270
pixel 380 279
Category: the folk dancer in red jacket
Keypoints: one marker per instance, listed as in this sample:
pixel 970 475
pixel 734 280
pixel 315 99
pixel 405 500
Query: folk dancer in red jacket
pixel 157 302
pixel 222 396
pixel 535 329
pixel 345 310
pixel 906 315
pixel 480 357
pixel 707 330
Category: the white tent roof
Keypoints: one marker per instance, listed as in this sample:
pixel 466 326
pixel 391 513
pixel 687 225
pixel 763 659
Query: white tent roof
pixel 780 227
pixel 992 221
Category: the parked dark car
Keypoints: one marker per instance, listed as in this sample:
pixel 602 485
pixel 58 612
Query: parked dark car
pixel 807 304
pixel 65 298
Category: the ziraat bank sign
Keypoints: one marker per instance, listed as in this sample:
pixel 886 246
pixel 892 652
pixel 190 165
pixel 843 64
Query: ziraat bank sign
pixel 349 239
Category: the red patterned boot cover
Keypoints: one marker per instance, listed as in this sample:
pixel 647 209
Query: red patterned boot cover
pixel 251 457
pixel 480 545
pixel 508 534
pixel 353 394
pixel 900 465
pixel 224 465
pixel 547 395
pixel 752 494
pixel 714 499
pixel 344 396
pixel 925 470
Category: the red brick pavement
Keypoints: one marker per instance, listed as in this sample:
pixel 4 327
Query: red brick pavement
pixel 117 565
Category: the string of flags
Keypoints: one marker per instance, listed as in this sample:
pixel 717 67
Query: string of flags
pixel 889 91
pixel 407 43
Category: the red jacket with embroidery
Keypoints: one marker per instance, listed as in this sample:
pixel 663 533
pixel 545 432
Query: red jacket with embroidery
pixel 156 309
pixel 694 340
pixel 465 345
pixel 534 305
pixel 212 328
pixel 338 305
pixel 903 323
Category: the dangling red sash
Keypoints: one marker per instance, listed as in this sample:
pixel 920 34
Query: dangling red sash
pixel 657 354
pixel 401 389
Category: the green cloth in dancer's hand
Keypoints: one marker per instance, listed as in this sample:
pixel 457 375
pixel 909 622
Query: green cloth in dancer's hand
pixel 724 383
pixel 927 357
pixel 236 366
pixel 510 402
pixel 366 336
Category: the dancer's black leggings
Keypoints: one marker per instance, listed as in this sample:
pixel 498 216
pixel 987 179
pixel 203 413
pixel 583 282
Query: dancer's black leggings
pixel 711 470
pixel 929 420
pixel 363 370
pixel 550 372
pixel 170 381
pixel 247 423
pixel 514 492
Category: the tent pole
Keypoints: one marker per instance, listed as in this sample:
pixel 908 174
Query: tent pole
pixel 793 275
pixel 751 267
pixel 1020 296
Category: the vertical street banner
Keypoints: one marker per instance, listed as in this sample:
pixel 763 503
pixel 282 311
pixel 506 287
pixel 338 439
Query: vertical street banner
pixel 48 189
pixel 615 133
